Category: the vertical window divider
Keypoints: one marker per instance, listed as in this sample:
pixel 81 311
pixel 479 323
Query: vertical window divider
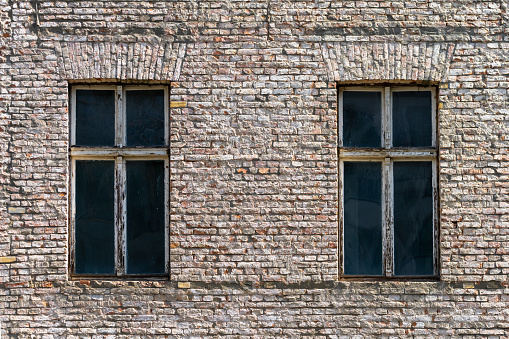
pixel 119 119
pixel 387 197
pixel 388 217
pixel 120 208
pixel 386 119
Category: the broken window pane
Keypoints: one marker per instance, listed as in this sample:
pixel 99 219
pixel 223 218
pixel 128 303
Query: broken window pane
pixel 413 218
pixel 94 229
pixel 362 114
pixel 412 120
pixel 95 117
pixel 363 218
pixel 145 117
pixel 145 217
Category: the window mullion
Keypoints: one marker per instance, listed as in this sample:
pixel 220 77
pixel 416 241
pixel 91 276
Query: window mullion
pixel 386 119
pixel 119 118
pixel 120 215
pixel 388 218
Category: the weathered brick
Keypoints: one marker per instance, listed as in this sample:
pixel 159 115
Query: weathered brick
pixel 254 167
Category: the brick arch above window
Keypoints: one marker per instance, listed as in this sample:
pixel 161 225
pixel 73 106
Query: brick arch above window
pixel 387 61
pixel 117 61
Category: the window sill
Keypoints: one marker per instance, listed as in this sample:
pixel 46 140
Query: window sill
pixel 392 279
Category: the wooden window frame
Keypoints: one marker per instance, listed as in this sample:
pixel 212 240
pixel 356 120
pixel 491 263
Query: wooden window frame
pixel 119 153
pixel 387 155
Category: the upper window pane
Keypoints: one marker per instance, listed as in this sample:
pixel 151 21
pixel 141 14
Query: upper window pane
pixel 362 118
pixel 411 120
pixel 145 117
pixel 95 117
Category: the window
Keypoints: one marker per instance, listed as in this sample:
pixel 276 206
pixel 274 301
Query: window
pixel 388 193
pixel 120 181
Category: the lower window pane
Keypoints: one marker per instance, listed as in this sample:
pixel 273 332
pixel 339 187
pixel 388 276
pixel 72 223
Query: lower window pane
pixel 145 217
pixel 94 219
pixel 413 218
pixel 363 218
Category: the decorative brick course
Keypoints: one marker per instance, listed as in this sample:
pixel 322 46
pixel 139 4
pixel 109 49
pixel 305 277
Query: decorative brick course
pixel 254 167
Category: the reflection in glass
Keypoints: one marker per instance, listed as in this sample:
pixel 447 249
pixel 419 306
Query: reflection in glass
pixel 411 119
pixel 413 218
pixel 95 117
pixel 145 217
pixel 362 119
pixel 145 117
pixel 95 223
pixel 363 218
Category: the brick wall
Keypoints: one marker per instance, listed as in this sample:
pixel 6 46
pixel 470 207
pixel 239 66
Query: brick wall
pixel 254 172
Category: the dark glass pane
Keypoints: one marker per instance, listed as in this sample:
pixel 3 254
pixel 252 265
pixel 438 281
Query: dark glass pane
pixel 95 117
pixel 145 118
pixel 363 218
pixel 362 119
pixel 95 222
pixel 145 217
pixel 411 119
pixel 413 218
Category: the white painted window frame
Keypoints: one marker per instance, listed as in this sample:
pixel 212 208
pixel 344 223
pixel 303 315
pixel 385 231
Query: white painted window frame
pixel 387 155
pixel 119 154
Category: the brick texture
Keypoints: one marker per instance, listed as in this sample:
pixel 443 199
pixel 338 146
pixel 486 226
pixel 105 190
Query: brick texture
pixel 254 166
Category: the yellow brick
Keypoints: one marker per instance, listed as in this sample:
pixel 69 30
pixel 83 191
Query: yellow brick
pixel 175 104
pixel 184 285
pixel 6 260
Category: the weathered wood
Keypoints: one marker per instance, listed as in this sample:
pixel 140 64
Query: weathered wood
pixel 98 152
pixel 120 216
pixel 388 217
pixel 415 154
pixel 387 119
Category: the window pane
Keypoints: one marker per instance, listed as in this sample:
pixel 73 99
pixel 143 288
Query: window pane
pixel 95 223
pixel 411 119
pixel 145 117
pixel 362 114
pixel 95 117
pixel 145 217
pixel 413 218
pixel 363 218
